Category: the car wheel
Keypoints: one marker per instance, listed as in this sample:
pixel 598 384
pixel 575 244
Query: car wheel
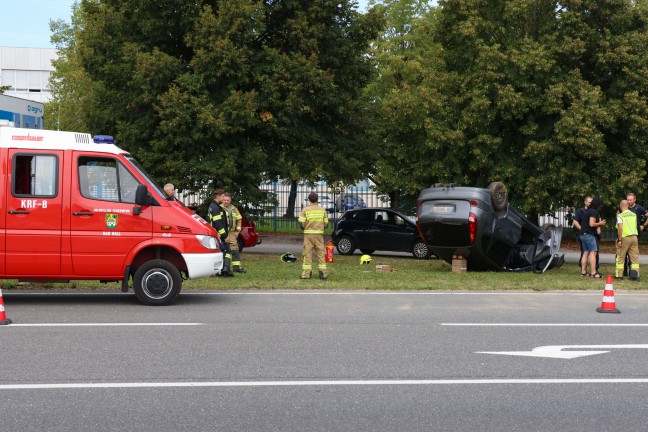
pixel 157 283
pixel 239 240
pixel 345 245
pixel 499 195
pixel 367 251
pixel 420 250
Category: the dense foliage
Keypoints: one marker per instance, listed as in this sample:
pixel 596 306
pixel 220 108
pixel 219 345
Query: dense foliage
pixel 221 93
pixel 550 97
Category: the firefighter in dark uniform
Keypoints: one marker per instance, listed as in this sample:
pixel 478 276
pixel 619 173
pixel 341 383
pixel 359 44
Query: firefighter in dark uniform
pixel 218 219
pixel 234 222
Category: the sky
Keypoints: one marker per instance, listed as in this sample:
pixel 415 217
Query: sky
pixel 25 23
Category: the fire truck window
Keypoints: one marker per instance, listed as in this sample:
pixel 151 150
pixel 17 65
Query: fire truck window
pixel 35 175
pixel 106 179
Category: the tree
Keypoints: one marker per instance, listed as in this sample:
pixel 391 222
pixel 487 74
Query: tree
pixel 541 92
pixel 548 97
pixel 229 93
pixel 401 97
pixel 73 92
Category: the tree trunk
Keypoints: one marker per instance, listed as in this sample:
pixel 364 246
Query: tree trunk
pixel 292 197
pixel 394 199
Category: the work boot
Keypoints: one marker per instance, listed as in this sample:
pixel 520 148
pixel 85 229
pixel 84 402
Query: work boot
pixel 305 276
pixel 322 276
pixel 240 270
pixel 226 272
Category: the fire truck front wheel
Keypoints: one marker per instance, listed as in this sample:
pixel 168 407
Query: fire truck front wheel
pixel 157 283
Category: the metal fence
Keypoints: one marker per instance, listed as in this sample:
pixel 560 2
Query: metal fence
pixel 564 217
pixel 273 214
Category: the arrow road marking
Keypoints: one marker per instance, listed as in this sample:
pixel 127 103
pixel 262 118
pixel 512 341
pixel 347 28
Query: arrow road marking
pixel 556 351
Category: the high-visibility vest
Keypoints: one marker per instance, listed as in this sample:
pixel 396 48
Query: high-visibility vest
pixel 629 223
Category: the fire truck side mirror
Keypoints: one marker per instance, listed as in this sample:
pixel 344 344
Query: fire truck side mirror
pixel 141 198
pixel 141 195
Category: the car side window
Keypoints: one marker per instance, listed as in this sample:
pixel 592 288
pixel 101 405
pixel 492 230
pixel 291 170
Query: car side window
pixel 363 216
pixel 382 217
pixel 106 179
pixel 35 175
pixel 399 220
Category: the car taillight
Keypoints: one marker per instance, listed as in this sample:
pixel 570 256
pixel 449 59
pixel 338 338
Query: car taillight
pixel 472 227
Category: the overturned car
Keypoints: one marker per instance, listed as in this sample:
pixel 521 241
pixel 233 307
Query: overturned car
pixel 479 225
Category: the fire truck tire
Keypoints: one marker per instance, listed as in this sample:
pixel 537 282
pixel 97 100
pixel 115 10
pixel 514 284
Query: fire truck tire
pixel 157 283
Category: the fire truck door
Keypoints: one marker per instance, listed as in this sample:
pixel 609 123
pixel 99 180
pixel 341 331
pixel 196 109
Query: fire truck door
pixel 104 228
pixel 34 200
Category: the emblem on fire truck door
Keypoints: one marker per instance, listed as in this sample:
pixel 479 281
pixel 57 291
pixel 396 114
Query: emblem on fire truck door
pixel 111 220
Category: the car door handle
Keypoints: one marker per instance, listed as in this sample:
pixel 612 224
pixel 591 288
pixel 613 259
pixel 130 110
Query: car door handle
pixel 18 211
pixel 86 213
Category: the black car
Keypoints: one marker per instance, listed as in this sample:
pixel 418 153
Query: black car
pixel 480 225
pixel 372 229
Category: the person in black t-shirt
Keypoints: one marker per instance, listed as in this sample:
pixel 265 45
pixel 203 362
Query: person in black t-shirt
pixel 578 219
pixel 591 221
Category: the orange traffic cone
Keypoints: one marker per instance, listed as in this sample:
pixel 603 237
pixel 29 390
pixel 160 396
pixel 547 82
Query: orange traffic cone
pixel 608 305
pixel 3 316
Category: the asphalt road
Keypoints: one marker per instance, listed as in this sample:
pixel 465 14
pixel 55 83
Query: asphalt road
pixel 318 361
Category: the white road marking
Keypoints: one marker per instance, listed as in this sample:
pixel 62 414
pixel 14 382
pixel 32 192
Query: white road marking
pixel 98 324
pixel 320 383
pixel 556 351
pixel 543 325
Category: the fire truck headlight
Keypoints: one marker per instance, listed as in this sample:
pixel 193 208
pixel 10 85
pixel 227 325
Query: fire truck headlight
pixel 208 241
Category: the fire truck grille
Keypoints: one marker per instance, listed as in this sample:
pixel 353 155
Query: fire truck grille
pixel 184 230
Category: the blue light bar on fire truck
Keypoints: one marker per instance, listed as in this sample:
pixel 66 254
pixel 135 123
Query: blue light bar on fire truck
pixel 103 139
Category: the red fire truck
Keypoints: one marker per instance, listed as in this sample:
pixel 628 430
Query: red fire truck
pixel 78 207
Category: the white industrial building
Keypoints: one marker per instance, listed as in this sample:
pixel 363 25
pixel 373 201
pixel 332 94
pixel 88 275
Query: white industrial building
pixel 26 71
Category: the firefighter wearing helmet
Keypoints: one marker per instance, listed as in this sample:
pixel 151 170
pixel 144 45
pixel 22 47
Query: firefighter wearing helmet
pixel 313 220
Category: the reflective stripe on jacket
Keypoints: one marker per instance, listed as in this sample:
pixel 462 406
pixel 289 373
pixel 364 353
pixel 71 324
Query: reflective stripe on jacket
pixel 218 219
pixel 314 219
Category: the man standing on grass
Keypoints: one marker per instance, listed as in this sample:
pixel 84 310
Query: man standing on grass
pixel 627 243
pixel 313 220
pixel 217 217
pixel 642 221
pixel 578 220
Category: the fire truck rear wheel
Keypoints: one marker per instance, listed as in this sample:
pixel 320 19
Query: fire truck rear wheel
pixel 157 283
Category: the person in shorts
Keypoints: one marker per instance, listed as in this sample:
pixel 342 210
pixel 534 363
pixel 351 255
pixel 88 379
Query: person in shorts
pixel 591 221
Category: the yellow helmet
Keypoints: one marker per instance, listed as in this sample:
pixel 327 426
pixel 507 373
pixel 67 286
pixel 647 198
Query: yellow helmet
pixel 365 259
